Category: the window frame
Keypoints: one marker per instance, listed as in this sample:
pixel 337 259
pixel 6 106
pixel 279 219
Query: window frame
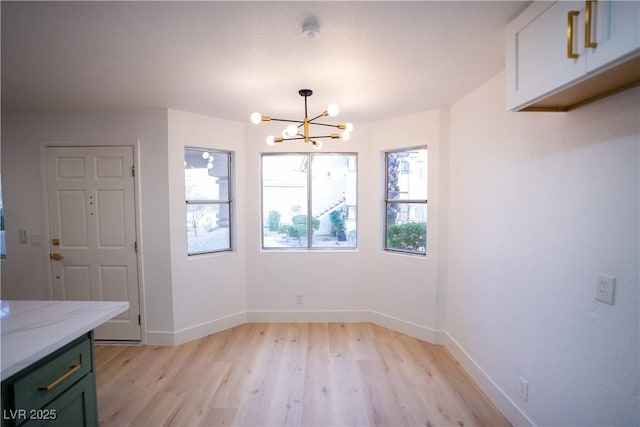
pixel 228 201
pixel 388 201
pixel 309 179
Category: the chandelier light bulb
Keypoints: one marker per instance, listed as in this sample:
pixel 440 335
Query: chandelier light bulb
pixel 256 118
pixel 348 127
pixel 205 155
pixel 333 110
pixel 317 145
pixel 271 140
pixel 292 130
pixel 345 136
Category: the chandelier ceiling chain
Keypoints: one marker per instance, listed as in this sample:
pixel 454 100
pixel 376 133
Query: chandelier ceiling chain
pixel 300 129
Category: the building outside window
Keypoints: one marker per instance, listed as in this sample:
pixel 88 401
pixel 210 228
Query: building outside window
pixel 309 201
pixel 405 226
pixel 208 200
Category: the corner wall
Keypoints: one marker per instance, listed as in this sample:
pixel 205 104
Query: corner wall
pixel 209 290
pixel 539 203
pixel 408 286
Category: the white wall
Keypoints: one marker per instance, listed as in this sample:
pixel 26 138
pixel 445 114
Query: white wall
pixel 407 285
pixel 209 290
pixel 540 203
pixel 24 134
pixel 328 280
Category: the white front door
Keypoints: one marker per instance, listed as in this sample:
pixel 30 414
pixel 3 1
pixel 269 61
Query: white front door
pixel 91 198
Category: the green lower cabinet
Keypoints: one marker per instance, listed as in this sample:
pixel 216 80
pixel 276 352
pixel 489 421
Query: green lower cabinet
pixel 76 407
pixel 58 390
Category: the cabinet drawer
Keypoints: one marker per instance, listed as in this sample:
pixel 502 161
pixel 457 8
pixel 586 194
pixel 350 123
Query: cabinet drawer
pixel 76 407
pixel 45 383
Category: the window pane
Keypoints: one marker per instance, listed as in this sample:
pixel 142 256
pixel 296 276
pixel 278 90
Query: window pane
pixel 407 175
pixel 206 175
pixel 333 190
pixel 208 228
pixel 284 201
pixel 206 179
pixel 407 227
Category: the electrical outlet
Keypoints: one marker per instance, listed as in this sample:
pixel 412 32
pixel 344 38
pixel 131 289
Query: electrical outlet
pixel 523 389
pixel 605 288
pixel 298 298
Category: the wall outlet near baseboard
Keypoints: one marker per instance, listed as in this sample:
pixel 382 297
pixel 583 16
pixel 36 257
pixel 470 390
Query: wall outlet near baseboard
pixel 605 288
pixel 298 298
pixel 523 389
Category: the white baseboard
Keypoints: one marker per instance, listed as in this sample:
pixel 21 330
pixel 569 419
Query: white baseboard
pixel 303 316
pixel 159 338
pixel 198 331
pixel 294 316
pixel 412 329
pixel 496 395
pixel 399 325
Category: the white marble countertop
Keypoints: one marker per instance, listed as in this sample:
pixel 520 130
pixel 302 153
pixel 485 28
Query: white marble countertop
pixel 34 329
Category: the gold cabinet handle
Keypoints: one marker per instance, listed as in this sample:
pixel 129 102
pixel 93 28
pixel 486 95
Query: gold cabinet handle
pixel 588 17
pixel 570 31
pixel 72 369
pixel 56 256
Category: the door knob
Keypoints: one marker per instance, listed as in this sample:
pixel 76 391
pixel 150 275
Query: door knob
pixel 56 256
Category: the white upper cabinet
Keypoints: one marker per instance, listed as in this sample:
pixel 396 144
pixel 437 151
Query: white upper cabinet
pixel 561 54
pixel 616 31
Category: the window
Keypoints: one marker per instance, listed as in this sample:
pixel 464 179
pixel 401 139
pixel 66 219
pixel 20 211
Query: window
pixel 294 185
pixel 208 198
pixel 406 201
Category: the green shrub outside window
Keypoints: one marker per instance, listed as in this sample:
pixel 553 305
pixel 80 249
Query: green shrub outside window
pixel 406 201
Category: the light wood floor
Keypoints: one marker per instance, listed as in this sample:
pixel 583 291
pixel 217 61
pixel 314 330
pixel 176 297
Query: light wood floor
pixel 298 374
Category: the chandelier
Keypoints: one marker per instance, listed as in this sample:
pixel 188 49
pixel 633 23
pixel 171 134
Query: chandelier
pixel 300 129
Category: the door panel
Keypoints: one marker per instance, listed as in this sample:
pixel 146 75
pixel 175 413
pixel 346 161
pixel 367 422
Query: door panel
pixel 110 216
pixel 72 218
pixel 76 278
pixel 92 214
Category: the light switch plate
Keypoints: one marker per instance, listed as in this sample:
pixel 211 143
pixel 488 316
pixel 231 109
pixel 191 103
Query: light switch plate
pixel 35 239
pixel 605 288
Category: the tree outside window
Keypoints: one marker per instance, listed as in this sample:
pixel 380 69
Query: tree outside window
pixel 405 227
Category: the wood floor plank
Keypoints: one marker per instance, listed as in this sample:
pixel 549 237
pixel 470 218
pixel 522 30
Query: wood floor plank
pixel 298 374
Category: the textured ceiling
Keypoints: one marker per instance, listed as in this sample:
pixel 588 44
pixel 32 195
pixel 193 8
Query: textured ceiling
pixel 227 59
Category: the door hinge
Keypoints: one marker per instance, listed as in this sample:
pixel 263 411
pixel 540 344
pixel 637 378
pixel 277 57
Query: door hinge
pixel 139 320
pixel 133 171
pixel 135 246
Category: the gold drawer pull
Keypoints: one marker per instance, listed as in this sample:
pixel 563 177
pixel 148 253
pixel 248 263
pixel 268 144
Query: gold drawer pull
pixel 588 17
pixel 72 370
pixel 570 33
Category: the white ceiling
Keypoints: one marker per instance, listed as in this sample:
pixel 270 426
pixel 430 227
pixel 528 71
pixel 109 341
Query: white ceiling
pixel 227 59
